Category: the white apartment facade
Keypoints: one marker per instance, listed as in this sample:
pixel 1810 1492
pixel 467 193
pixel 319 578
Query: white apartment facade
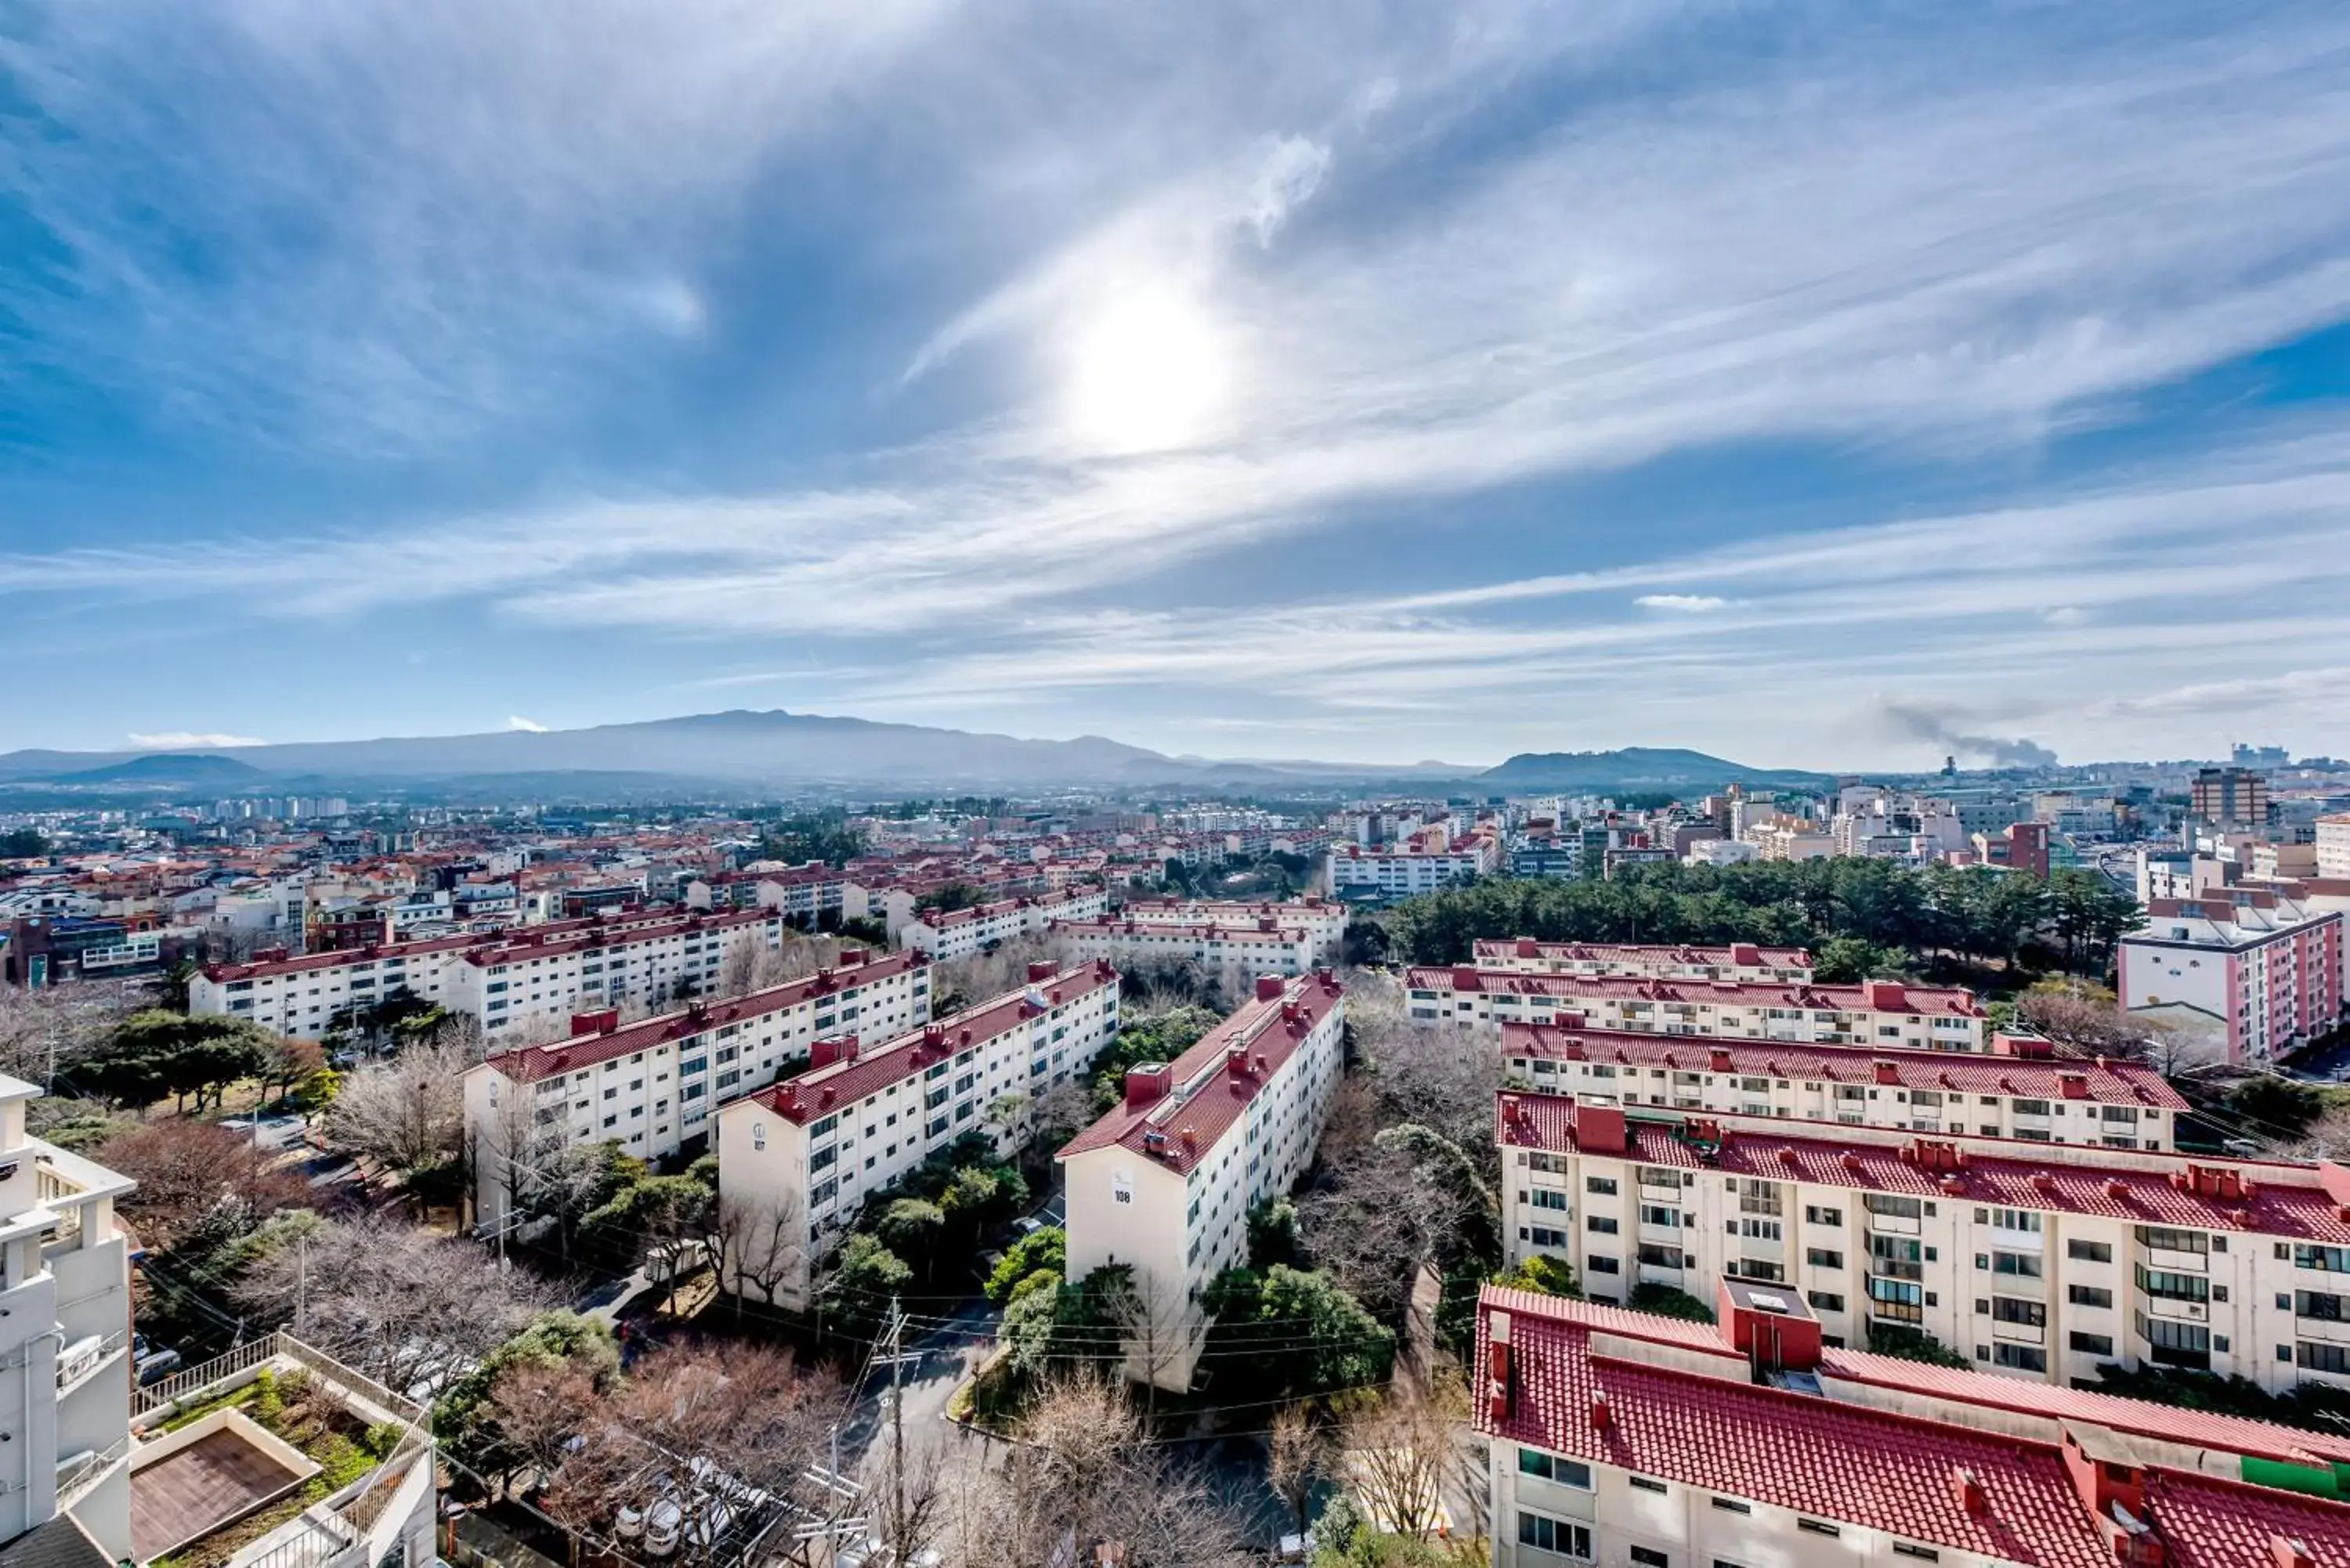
pixel 1324 917
pixel 1163 1183
pixel 1363 875
pixel 1263 947
pixel 2254 972
pixel 65 1328
pixel 2018 1090
pixel 2333 834
pixel 650 1088
pixel 1741 962
pixel 540 972
pixel 2032 1262
pixel 805 1154
pixel 961 933
pixel 1878 1013
pixel 1639 1441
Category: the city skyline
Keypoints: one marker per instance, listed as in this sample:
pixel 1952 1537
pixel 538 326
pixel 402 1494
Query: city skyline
pixel 1803 388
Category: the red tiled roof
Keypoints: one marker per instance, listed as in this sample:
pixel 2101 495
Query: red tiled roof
pixel 1279 936
pixel 604 937
pixel 303 962
pixel 1586 952
pixel 529 1063
pixel 1924 999
pixel 838 1083
pixel 2279 1201
pixel 1272 1028
pixel 2108 1081
pixel 1853 1463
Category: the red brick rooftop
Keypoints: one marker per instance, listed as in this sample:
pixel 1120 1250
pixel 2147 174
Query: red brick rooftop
pixel 845 1082
pixel 2102 1079
pixel 1242 1053
pixel 1673 1401
pixel 1889 996
pixel 1634 953
pixel 2259 1197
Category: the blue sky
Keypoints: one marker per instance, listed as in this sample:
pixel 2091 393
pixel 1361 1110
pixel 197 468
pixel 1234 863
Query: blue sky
pixel 1812 385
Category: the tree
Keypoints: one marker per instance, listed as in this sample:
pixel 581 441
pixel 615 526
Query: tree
pixel 1083 1482
pixel 1911 1344
pixel 652 1222
pixel 866 1275
pixel 287 1063
pixel 1297 1453
pixel 519 1405
pixel 401 1305
pixel 407 1114
pixel 1042 1251
pixel 1272 1232
pixel 1401 1451
pixel 1291 1333
pixel 22 844
pixel 1543 1275
pixel 1667 1300
pixel 760 1243
pixel 154 1053
pixel 57 1026
pixel 911 1228
pixel 722 1440
pixel 1845 960
pixel 189 1171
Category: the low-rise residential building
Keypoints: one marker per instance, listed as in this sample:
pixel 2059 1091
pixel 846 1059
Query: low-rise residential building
pixel 65 1328
pixel 1743 962
pixel 2253 971
pixel 527 975
pixel 959 933
pixel 1260 947
pixel 533 980
pixel 2332 842
pixel 1324 918
pixel 650 1087
pixel 1639 1441
pixel 1361 874
pixel 2031 1260
pixel 808 896
pixel 2020 1089
pixel 1879 1013
pixel 1163 1183
pixel 796 1160
pixel 217 1476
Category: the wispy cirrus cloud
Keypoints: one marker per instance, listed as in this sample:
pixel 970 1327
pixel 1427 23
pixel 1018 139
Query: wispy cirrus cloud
pixel 1392 262
pixel 189 740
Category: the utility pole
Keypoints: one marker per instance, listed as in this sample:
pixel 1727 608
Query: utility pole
pixel 897 1429
pixel 301 1280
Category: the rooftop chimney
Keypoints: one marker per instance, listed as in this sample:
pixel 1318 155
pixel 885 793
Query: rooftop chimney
pixel 1599 1129
pixel 1884 995
pixel 1269 988
pixel 824 1053
pixel 595 1021
pixel 2075 1085
pixel 1886 1072
pixel 1719 1061
pixel 1967 1490
pixel 1145 1086
pixel 1041 969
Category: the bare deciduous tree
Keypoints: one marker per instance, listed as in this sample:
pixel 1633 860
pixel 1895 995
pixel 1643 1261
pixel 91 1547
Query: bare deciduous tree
pixel 1080 1477
pixel 758 1246
pixel 191 1171
pixel 1299 1454
pixel 56 1024
pixel 1400 1452
pixel 404 1306
pixel 407 1114
pixel 713 1444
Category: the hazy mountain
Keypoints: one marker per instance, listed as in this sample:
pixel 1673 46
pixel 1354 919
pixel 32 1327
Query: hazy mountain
pixel 771 748
pixel 208 771
pixel 1634 768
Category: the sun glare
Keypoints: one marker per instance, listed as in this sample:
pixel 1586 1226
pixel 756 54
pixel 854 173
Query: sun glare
pixel 1149 371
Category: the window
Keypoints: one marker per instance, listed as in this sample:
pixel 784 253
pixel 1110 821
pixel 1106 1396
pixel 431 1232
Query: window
pixel 2015 1265
pixel 1825 1301
pixel 2089 1251
pixel 2172 1287
pixel 2093 1343
pixel 1732 1505
pixel 1602 1266
pixel 2333 1358
pixel 2018 1357
pixel 1818 1527
pixel 2318 1305
pixel 1550 1467
pixel 1600 1223
pixel 2009 1309
pixel 2171 1241
pixel 1912 1549
pixel 1814 1214
pixel 1642 1483
pixel 1603 1185
pixel 1648 1557
pixel 2088 1295
pixel 1823 1258
pixel 1549 1198
pixel 1562 1537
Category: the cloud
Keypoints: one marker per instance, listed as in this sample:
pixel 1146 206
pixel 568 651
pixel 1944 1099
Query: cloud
pixel 531 726
pixel 1914 721
pixel 2066 615
pixel 1292 171
pixel 1686 603
pixel 2323 687
pixel 189 740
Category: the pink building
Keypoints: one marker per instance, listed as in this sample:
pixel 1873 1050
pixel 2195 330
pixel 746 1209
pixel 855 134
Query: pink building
pixel 2253 970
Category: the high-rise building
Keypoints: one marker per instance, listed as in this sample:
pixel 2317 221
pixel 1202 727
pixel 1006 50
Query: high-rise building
pixel 2229 794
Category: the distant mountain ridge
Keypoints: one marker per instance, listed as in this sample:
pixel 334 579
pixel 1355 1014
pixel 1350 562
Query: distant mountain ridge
pixel 1633 768
pixel 743 749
